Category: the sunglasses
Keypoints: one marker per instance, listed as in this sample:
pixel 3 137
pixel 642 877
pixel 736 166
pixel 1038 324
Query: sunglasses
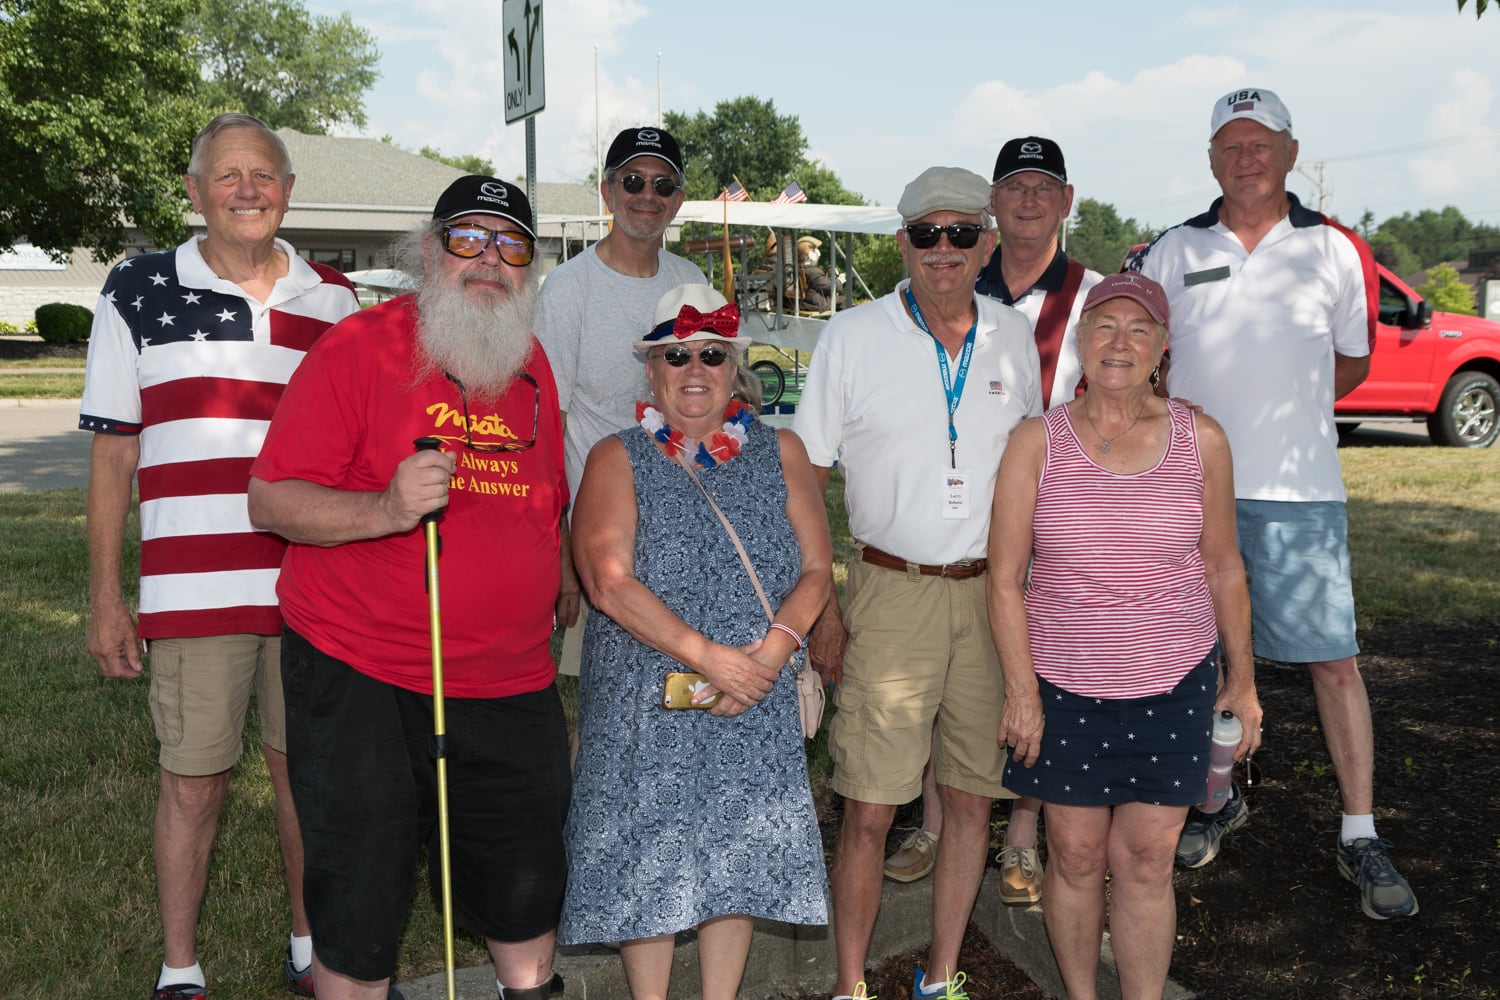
pixel 536 413
pixel 469 240
pixel 665 187
pixel 961 235
pixel 678 357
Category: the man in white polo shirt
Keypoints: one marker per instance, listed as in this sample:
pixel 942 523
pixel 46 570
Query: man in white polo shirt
pixel 1273 318
pixel 914 395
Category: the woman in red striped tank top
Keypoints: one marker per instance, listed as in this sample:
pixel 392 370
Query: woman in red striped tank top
pixel 1115 586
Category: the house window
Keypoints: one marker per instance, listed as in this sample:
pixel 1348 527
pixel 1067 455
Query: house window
pixel 341 259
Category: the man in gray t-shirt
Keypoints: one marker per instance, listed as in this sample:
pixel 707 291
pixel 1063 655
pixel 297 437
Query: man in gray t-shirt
pixel 594 307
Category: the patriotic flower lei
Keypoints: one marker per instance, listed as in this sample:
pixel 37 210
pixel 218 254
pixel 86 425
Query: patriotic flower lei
pixel 721 445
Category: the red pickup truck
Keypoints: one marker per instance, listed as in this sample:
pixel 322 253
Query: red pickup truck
pixel 1437 366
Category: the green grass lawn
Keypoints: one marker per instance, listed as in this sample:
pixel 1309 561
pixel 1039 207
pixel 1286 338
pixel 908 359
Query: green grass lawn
pixel 47 385
pixel 78 773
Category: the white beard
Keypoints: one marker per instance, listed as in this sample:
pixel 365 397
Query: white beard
pixel 481 341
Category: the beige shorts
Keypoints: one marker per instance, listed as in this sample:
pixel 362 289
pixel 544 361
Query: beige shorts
pixel 200 692
pixel 919 650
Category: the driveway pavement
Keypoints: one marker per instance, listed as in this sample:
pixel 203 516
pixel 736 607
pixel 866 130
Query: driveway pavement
pixel 41 447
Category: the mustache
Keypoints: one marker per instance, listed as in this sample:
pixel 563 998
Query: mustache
pixel 942 257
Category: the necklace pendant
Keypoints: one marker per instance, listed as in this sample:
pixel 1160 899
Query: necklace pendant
pixel 1104 447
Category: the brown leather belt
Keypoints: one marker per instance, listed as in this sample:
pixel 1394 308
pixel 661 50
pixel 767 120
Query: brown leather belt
pixel 952 571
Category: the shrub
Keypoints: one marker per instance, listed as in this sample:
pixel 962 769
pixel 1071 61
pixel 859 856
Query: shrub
pixel 8 329
pixel 63 323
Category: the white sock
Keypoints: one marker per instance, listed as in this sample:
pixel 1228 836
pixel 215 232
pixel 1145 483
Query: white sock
pixel 1355 827
pixel 301 951
pixel 925 988
pixel 192 975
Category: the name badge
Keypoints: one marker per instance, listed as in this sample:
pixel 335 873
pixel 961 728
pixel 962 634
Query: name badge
pixel 956 493
pixel 1211 274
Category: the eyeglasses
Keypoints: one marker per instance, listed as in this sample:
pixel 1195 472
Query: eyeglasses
pixel 1016 191
pixel 665 187
pixel 536 412
pixel 678 357
pixel 469 240
pixel 961 235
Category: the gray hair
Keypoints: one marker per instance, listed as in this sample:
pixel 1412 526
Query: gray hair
pixel 236 119
pixel 747 384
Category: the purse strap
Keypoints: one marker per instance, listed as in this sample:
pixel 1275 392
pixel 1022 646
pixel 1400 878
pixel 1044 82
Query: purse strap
pixel 760 592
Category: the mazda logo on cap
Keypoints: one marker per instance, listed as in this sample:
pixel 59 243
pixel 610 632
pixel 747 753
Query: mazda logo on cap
pixel 492 189
pixel 648 135
pixel 1031 149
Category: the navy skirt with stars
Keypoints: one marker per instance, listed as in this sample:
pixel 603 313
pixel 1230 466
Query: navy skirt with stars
pixel 1105 751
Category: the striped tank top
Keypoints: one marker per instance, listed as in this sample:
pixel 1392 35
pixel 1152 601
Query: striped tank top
pixel 1117 603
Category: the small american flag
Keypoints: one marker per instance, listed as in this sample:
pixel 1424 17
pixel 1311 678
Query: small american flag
pixel 790 194
pixel 996 386
pixel 1245 106
pixel 734 192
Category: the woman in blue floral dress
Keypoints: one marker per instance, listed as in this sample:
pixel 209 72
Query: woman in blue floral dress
pixel 700 818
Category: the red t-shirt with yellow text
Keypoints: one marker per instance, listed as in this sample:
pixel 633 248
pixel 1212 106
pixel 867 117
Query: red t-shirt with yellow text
pixel 347 419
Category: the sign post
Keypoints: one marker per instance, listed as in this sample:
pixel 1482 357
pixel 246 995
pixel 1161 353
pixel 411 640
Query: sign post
pixel 525 75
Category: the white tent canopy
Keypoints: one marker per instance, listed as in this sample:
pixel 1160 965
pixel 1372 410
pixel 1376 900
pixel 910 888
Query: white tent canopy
pixel 837 218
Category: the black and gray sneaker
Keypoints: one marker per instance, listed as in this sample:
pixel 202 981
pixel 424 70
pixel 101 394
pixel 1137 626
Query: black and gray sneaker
pixel 1199 842
pixel 300 981
pixel 1383 893
pixel 180 991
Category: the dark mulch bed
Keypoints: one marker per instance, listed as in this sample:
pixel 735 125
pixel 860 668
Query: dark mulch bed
pixel 21 349
pixel 1271 916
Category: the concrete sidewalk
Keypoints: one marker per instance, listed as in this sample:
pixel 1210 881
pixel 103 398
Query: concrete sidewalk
pixel 785 959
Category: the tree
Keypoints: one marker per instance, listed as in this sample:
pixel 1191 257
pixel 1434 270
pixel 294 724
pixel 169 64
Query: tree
pixel 744 138
pixel 1394 254
pixel 1100 239
pixel 1432 236
pixel 469 163
pixel 98 107
pixel 1446 290
pixel 291 69
pixel 1479 7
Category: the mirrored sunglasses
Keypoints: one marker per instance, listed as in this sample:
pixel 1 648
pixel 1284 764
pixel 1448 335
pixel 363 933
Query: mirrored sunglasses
pixel 961 235
pixel 678 357
pixel 470 240
pixel 664 187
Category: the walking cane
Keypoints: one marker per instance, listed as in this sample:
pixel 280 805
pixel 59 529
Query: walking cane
pixel 439 723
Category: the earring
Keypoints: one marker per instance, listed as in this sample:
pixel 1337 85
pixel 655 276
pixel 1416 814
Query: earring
pixel 1156 375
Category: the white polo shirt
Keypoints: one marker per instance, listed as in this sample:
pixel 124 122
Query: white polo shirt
pixel 874 402
pixel 1253 337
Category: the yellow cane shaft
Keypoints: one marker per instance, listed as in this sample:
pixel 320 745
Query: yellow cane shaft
pixel 440 731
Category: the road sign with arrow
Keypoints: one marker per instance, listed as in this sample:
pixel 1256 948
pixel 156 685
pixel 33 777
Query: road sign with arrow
pixel 525 70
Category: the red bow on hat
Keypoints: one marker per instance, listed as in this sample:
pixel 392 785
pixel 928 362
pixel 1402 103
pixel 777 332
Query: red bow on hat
pixel 725 321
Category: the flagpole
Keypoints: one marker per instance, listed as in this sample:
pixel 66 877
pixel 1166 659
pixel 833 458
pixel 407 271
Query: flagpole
pixel 728 264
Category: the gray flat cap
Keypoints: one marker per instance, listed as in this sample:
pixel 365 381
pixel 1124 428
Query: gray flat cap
pixel 945 189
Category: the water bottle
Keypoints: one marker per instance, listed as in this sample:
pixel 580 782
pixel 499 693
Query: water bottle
pixel 1227 731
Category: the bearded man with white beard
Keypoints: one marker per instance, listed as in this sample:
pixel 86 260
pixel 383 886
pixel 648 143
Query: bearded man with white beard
pixel 338 477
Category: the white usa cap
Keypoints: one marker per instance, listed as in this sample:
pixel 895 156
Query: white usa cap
pixel 1257 104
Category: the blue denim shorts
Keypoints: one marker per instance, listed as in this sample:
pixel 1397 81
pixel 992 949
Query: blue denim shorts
pixel 1301 598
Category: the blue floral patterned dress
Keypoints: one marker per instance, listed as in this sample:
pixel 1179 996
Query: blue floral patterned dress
pixel 681 816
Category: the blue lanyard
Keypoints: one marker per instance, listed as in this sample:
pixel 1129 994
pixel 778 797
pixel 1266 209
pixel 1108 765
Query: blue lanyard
pixel 953 386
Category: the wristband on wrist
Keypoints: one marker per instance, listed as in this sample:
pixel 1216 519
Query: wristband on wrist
pixel 789 631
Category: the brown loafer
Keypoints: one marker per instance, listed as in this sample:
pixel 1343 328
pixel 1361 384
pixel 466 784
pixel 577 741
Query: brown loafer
pixel 914 859
pixel 1020 876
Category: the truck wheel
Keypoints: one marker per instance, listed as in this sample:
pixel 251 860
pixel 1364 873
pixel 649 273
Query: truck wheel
pixel 772 381
pixel 1466 414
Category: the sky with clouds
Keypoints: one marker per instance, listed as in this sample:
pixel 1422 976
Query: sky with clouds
pixel 1396 99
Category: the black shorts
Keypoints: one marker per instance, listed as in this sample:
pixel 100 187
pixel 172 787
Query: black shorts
pixel 365 785
pixel 1106 751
